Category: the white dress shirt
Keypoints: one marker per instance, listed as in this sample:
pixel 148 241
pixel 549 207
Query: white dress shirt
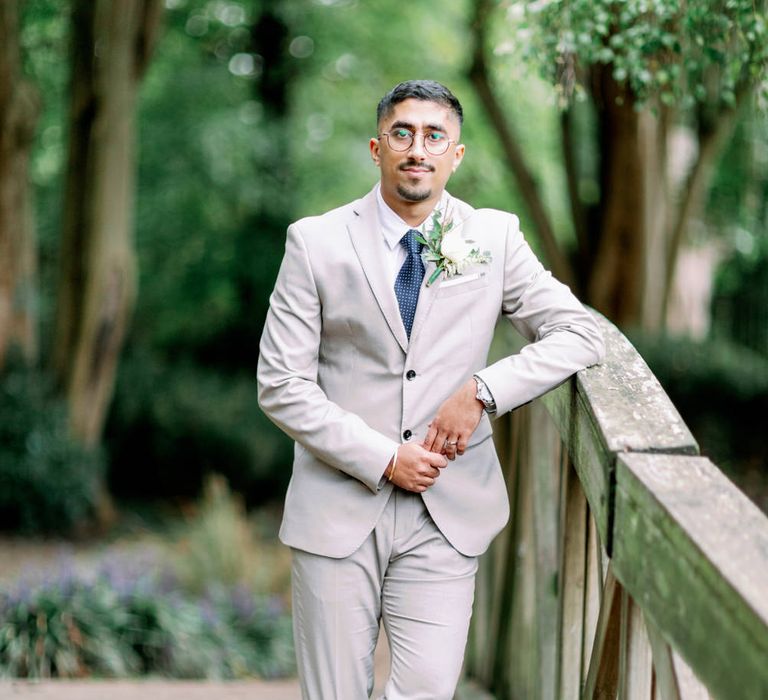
pixel 393 228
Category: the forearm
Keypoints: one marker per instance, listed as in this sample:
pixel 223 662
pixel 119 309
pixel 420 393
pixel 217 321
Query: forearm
pixel 289 392
pixel 537 368
pixel 342 439
pixel 565 336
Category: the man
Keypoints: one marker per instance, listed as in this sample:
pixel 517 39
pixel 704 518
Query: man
pixel 375 364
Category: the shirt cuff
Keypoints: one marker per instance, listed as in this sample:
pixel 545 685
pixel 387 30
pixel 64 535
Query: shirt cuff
pixel 383 481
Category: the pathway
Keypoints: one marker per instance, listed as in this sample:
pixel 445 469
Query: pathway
pixel 149 690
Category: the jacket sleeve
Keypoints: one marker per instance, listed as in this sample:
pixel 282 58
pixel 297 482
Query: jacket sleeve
pixel 287 376
pixel 563 336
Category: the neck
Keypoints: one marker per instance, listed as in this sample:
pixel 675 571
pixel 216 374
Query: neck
pixel 413 213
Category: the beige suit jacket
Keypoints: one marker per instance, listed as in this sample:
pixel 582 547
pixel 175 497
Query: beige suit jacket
pixel 336 370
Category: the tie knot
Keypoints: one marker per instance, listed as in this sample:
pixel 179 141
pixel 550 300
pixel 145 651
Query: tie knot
pixel 409 242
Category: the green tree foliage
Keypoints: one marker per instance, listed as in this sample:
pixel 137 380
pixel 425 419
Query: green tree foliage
pixel 44 38
pixel 197 185
pixel 689 53
pixel 48 482
pixel 628 76
pixel 255 113
pixel 227 161
pixel 738 206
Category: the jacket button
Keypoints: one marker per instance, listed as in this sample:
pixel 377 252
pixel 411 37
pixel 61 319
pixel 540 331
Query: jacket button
pixel 407 434
pixel 410 374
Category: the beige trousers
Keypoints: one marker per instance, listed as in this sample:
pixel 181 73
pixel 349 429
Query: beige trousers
pixel 405 574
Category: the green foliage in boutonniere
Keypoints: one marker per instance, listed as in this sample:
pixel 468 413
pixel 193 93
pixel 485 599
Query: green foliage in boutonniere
pixel 446 247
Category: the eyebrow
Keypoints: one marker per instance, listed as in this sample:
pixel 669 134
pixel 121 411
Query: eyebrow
pixel 411 127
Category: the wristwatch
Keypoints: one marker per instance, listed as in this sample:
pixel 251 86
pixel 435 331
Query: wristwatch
pixel 485 396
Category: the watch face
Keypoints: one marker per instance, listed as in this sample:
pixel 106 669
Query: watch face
pixel 484 395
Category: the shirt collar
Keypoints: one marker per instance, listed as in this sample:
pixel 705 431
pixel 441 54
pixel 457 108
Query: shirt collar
pixel 392 226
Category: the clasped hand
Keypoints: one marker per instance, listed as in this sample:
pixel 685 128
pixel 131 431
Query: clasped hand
pixel 418 465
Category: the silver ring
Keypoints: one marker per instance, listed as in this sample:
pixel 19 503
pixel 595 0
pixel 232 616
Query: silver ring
pixel 448 442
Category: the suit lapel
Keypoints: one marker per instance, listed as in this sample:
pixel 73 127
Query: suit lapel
pixel 426 298
pixel 368 242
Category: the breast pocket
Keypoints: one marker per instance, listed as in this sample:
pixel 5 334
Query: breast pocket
pixel 462 285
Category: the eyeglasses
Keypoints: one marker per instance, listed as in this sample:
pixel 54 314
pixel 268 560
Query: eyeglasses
pixel 435 142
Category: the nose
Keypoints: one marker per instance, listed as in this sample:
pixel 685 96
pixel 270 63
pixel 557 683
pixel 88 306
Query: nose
pixel 417 149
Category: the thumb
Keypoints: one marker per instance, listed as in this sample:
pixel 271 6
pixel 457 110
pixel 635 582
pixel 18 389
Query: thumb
pixel 437 460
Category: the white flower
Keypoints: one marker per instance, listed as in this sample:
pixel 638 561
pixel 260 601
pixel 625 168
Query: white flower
pixel 448 250
pixel 455 248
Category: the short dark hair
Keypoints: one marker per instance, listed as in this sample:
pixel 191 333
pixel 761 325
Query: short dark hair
pixel 428 90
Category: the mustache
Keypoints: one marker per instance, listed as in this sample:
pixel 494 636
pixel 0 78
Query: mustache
pixel 416 164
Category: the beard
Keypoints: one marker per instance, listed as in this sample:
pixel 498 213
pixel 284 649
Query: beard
pixel 413 195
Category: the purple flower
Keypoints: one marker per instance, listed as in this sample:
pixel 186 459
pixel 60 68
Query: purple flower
pixel 243 603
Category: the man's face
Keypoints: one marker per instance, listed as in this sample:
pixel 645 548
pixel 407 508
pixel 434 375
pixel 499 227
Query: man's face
pixel 415 175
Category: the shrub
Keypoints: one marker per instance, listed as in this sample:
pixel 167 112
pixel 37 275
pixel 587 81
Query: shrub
pixel 129 624
pixel 47 481
pixel 740 297
pixel 200 606
pixel 220 546
pixel 171 425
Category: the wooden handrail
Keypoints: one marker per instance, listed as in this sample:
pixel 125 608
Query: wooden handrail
pixel 631 565
pixel 613 408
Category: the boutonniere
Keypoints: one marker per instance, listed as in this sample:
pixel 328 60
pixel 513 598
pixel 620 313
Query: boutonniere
pixel 448 249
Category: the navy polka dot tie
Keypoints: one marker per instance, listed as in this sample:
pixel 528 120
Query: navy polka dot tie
pixel 409 279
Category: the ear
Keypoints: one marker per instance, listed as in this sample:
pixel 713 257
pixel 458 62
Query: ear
pixel 458 156
pixel 374 145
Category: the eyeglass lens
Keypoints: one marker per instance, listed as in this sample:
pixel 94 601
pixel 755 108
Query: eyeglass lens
pixel 434 142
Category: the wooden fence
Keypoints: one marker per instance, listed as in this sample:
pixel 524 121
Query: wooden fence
pixel 631 567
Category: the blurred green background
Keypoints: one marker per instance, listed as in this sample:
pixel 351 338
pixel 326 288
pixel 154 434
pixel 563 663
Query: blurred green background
pixel 153 153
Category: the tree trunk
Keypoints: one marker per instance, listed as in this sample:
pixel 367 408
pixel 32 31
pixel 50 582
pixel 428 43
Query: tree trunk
pixel 111 45
pixel 19 109
pixel 657 212
pixel 618 277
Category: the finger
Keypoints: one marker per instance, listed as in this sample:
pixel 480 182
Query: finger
pixel 450 446
pixel 436 445
pixel 462 446
pixel 437 460
pixel 440 440
pixel 430 439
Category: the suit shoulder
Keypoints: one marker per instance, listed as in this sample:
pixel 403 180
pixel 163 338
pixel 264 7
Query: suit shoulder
pixel 321 224
pixel 498 216
pixel 493 223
